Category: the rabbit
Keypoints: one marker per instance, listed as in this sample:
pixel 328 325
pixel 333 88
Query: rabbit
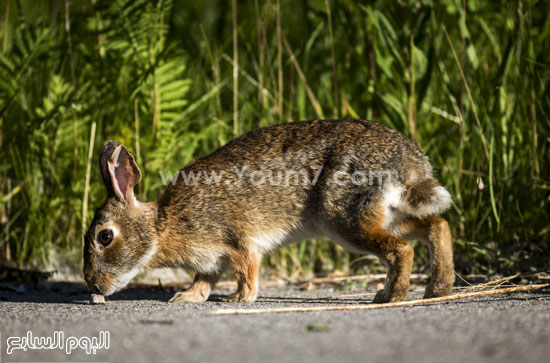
pixel 360 183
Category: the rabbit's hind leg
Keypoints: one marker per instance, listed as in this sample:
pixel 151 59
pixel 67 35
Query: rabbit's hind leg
pixel 199 290
pixel 370 236
pixel 393 251
pixel 246 265
pixel 434 232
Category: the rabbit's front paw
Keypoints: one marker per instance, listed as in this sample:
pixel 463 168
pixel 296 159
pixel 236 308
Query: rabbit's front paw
pixel 188 297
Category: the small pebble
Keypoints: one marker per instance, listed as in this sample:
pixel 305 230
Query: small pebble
pixel 97 299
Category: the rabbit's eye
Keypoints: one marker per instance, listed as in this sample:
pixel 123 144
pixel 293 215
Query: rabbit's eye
pixel 105 237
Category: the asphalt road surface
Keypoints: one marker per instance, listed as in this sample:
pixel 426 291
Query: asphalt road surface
pixel 143 327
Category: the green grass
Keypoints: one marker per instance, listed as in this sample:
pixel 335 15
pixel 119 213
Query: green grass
pixel 469 80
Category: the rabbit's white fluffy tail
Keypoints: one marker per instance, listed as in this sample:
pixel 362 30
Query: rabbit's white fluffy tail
pixel 425 198
pixel 421 199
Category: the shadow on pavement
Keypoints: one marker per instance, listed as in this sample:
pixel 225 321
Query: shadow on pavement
pixel 75 293
pixel 78 293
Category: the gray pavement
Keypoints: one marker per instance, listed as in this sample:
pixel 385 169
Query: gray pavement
pixel 143 327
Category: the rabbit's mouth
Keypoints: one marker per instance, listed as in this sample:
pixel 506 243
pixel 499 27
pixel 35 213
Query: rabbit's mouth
pixel 118 282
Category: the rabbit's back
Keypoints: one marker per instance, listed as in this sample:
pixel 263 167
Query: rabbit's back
pixel 359 143
pixel 290 181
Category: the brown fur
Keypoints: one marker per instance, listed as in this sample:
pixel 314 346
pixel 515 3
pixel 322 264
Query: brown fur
pixel 204 227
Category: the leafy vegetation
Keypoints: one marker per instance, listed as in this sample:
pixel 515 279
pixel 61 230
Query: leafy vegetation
pixel 468 79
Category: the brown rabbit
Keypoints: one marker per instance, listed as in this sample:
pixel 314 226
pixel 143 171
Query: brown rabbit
pixel 363 185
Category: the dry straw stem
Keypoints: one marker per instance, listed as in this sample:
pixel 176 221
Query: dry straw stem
pixel 411 103
pixel 88 172
pixel 378 306
pixel 279 61
pixel 235 73
pixel 497 282
pixel 333 58
pixel 474 109
pixel 260 52
pixel 311 95
pixel 249 78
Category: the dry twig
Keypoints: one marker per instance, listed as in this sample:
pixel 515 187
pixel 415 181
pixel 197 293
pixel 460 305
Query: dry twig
pixel 379 306
pixel 494 283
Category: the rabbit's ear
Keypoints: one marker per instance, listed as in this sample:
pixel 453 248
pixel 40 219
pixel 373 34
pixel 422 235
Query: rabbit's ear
pixel 119 171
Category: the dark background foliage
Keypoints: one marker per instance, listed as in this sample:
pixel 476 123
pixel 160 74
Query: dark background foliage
pixel 467 79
